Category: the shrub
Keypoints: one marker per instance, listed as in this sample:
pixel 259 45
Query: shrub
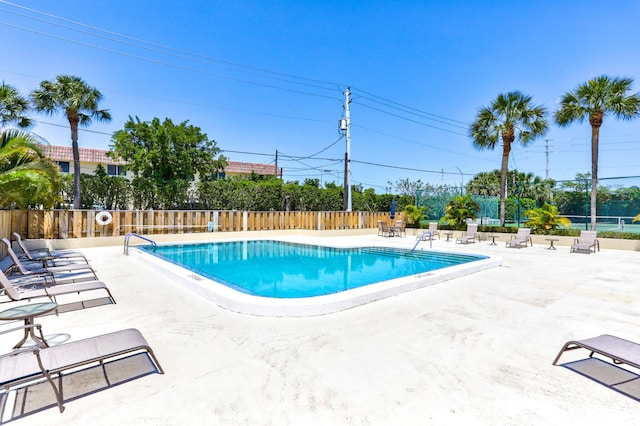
pixel 545 219
pixel 413 213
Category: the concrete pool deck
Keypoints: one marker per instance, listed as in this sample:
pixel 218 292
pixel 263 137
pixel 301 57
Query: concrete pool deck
pixel 474 350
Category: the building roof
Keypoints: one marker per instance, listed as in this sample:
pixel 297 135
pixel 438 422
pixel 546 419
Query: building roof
pixel 247 168
pixel 87 155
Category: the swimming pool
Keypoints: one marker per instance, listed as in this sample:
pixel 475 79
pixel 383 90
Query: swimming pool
pixel 280 269
pixel 280 278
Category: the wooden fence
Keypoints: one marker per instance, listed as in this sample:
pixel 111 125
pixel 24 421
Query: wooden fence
pixel 62 224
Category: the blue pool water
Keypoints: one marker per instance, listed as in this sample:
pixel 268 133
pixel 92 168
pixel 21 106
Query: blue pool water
pixel 289 270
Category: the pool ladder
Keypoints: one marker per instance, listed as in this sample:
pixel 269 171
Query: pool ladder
pixel 424 234
pixel 133 234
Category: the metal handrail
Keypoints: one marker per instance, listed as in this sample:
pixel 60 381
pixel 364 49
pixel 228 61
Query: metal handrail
pixel 419 240
pixel 133 234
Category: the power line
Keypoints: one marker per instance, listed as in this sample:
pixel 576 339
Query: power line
pixel 417 111
pixel 175 101
pixel 411 141
pixel 409 119
pixel 167 64
pixel 388 166
pixel 326 148
pixel 80 129
pixel 209 60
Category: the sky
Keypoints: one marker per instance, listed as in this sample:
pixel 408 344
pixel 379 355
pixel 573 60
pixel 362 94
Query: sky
pixel 267 80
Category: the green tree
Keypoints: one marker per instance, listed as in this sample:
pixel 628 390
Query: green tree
pixel 594 100
pixel 459 209
pixel 109 192
pixel 485 184
pixel 27 178
pixel 165 159
pixel 545 219
pixel 79 102
pixel 13 106
pixel 508 118
pixel 414 214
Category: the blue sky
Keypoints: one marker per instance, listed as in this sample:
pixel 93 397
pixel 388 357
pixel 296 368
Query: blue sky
pixel 260 77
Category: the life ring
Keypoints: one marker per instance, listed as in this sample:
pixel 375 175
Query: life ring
pixel 103 218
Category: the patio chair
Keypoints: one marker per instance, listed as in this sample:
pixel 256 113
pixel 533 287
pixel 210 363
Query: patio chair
pixel 433 229
pixel 470 235
pixel 401 228
pixel 430 233
pixel 384 230
pixel 33 290
pixel 41 268
pixel 521 239
pixel 620 351
pixel 46 255
pixel 24 366
pixel 585 243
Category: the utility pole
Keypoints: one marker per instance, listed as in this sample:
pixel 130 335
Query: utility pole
pixel 347 156
pixel 547 158
pixel 277 165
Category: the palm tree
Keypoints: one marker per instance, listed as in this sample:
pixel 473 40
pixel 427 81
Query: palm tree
pixel 593 100
pixel 12 107
pixel 546 218
pixel 79 101
pixel 459 209
pixel 510 116
pixel 27 178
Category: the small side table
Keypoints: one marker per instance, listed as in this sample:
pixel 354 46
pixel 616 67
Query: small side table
pixel 28 313
pixel 448 234
pixel 551 240
pixel 493 239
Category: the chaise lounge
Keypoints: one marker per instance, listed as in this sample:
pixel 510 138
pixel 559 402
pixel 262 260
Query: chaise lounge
pixel 586 243
pixel 620 351
pixel 30 365
pixel 433 230
pixel 44 254
pixel 521 239
pixel 33 291
pixel 470 236
pixel 42 268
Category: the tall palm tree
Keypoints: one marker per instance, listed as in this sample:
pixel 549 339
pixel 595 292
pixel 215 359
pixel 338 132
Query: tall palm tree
pixel 13 106
pixel 27 178
pixel 509 117
pixel 594 100
pixel 79 102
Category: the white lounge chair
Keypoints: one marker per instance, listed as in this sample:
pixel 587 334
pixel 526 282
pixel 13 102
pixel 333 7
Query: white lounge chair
pixel 586 243
pixel 521 239
pixel 31 365
pixel 33 290
pixel 433 229
pixel 470 236
pixel 46 255
pixel 620 351
pixel 39 267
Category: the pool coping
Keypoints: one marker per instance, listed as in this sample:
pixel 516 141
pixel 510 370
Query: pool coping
pixel 243 303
